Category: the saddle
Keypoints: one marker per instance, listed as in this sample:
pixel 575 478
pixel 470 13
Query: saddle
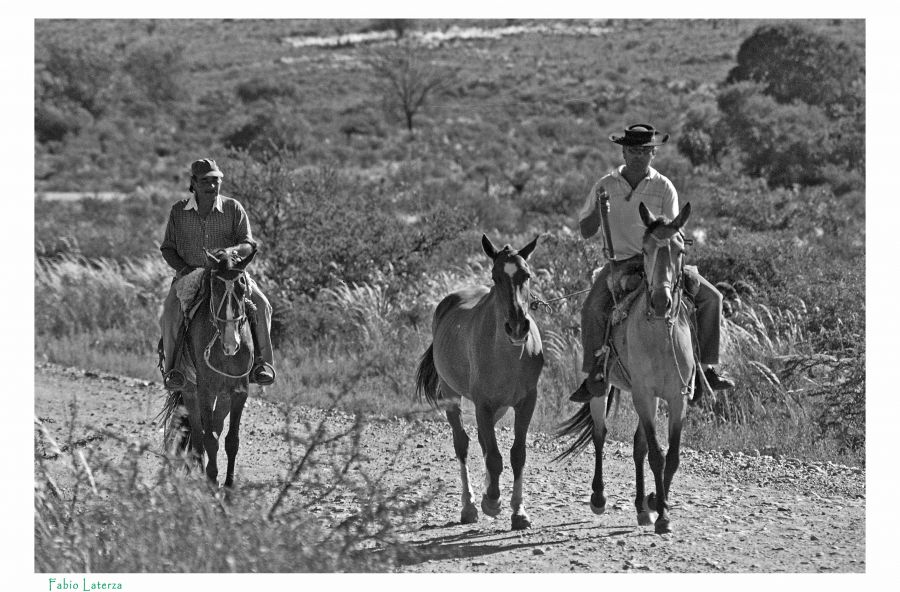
pixel 626 283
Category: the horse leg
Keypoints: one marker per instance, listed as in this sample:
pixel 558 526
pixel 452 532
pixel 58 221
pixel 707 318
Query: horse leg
pixel 640 455
pixel 493 460
pixel 469 512
pixel 211 433
pixel 233 440
pixel 598 435
pixel 673 458
pixel 646 409
pixel 524 411
pixel 194 414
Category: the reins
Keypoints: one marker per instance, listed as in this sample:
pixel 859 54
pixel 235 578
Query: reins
pixel 537 303
pixel 215 319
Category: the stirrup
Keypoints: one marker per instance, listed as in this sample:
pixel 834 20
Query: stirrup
pixel 262 373
pixel 582 394
pixel 174 380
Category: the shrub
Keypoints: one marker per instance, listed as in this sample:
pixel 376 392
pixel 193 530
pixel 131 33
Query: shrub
pixel 785 144
pixel 795 63
pixel 158 71
pixel 268 131
pixel 261 89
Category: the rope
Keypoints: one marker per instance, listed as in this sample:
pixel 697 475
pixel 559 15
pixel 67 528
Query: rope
pixel 537 303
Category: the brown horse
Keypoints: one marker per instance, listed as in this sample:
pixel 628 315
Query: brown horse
pixel 652 358
pixel 220 344
pixel 487 348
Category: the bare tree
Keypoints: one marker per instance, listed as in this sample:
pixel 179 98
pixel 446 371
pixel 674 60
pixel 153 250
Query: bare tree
pixel 406 79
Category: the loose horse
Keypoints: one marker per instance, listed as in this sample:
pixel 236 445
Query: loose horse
pixel 487 348
pixel 220 344
pixel 653 359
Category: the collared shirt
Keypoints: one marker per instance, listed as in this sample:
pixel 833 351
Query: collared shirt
pixel 625 225
pixel 188 235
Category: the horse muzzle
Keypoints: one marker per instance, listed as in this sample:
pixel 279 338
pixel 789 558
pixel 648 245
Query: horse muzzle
pixel 518 331
pixel 660 302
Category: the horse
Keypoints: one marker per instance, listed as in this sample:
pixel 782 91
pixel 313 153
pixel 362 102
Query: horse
pixel 655 360
pixel 220 344
pixel 487 348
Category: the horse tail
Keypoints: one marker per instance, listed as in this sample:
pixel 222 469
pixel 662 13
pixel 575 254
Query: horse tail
pixel 175 422
pixel 427 378
pixel 581 424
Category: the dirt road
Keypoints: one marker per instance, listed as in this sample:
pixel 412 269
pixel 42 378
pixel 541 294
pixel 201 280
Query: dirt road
pixel 731 512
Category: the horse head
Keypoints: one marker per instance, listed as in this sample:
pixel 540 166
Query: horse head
pixel 510 273
pixel 229 288
pixel 663 248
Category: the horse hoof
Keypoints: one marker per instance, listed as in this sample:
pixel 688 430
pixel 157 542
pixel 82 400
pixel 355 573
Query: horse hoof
pixel 490 507
pixel 598 504
pixel 520 522
pixel 663 527
pixel 644 519
pixel 469 515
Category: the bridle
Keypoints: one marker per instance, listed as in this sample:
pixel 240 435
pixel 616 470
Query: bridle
pixel 229 297
pixel 675 287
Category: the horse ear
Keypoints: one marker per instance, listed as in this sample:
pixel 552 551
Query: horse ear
pixel 646 216
pixel 525 251
pixel 211 258
pixel 682 216
pixel 488 247
pixel 246 260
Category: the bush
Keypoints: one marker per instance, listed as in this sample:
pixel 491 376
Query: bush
pixel 261 89
pixel 795 63
pixel 785 144
pixel 158 71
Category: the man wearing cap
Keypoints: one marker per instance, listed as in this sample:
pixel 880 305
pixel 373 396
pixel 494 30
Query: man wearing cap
pixel 627 186
pixel 209 221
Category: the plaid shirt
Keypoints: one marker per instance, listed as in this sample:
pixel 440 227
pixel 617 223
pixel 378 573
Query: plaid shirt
pixel 187 234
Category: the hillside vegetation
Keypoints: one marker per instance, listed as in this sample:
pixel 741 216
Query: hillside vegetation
pixel 370 163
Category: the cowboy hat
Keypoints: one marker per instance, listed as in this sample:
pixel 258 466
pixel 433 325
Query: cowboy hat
pixel 640 134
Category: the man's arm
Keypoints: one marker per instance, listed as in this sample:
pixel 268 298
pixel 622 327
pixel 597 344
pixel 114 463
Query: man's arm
pixel 169 251
pixel 589 216
pixel 238 251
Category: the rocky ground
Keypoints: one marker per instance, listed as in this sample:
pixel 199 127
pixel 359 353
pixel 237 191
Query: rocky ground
pixel 730 512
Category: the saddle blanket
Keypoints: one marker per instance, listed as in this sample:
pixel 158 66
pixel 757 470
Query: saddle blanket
pixel 188 290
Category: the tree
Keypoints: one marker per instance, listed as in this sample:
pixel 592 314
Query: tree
pixel 795 63
pixel 406 79
pixel 158 70
pixel 785 144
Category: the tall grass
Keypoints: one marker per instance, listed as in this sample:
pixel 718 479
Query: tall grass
pixel 789 399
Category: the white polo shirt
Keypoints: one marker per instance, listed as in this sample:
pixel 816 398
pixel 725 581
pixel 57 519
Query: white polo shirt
pixel 625 224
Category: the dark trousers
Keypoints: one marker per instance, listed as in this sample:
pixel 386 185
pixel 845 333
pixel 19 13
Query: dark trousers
pixel 598 305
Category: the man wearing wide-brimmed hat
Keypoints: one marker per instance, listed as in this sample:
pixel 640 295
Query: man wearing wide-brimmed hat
pixel 626 187
pixel 209 221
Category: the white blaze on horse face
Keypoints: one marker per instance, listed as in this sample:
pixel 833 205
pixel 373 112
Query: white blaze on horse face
pixel 231 340
pixel 510 269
